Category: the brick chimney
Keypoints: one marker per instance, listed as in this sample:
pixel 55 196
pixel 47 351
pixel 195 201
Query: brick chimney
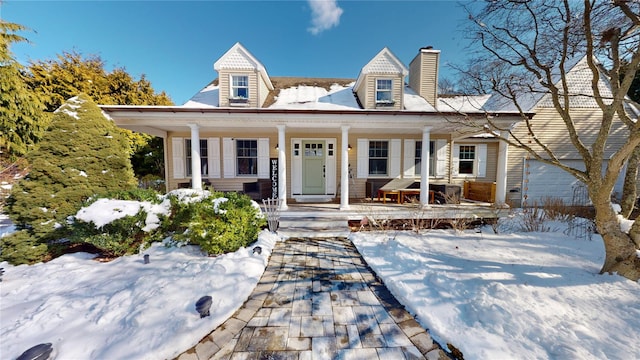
pixel 423 74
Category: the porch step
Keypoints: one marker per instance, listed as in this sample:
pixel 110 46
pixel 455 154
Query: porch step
pixel 313 226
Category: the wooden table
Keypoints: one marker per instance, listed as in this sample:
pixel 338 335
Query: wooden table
pixel 401 193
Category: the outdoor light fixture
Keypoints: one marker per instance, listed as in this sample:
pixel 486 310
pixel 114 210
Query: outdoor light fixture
pixel 1 273
pixel 146 258
pixel 349 147
pixel 257 250
pixel 203 305
pixel 277 146
pixel 38 352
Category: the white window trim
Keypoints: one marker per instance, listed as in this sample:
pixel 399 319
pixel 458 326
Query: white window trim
pixel 479 161
pixel 394 157
pixel 206 164
pixel 410 170
pixel 390 91
pixel 179 156
pixel 234 100
pixel 230 159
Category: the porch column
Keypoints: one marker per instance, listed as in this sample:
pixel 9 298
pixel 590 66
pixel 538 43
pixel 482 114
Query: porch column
pixel 282 168
pixel 501 174
pixel 424 166
pixel 196 168
pixel 344 170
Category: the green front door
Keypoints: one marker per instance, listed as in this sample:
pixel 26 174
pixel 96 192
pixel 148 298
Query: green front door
pixel 313 167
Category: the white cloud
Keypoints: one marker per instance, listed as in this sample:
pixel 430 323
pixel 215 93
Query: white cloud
pixel 325 15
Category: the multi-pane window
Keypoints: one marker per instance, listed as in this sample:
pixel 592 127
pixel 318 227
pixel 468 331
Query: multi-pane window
pixel 247 157
pixel 378 157
pixel 204 164
pixel 384 89
pixel 418 158
pixel 240 87
pixel 466 159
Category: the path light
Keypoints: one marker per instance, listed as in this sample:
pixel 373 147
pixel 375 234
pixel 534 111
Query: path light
pixel 146 258
pixel 38 352
pixel 203 305
pixel 257 250
pixel 1 273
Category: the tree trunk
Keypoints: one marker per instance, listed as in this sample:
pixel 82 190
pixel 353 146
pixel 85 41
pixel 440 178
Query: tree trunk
pixel 620 250
pixel 629 191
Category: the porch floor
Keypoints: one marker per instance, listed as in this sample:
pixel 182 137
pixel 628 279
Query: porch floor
pixel 377 209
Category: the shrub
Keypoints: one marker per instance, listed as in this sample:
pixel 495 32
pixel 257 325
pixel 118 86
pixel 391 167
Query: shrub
pixel 219 223
pixel 21 247
pixel 123 236
pixel 137 194
pixel 534 219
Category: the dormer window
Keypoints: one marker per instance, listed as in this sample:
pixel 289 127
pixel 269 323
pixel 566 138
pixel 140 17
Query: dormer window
pixel 384 94
pixel 239 89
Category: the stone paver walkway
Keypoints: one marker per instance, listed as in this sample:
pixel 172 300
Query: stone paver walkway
pixel 318 300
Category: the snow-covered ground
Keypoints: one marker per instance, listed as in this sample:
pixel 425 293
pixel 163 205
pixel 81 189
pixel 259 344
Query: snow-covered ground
pixel 514 295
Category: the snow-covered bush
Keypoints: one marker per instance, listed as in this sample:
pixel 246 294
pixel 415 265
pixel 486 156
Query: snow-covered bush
pixel 219 223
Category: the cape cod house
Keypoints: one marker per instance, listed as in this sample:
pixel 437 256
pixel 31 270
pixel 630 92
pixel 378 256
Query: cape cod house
pixel 325 139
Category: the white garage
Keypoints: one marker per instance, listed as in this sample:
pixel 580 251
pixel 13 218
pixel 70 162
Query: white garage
pixel 542 180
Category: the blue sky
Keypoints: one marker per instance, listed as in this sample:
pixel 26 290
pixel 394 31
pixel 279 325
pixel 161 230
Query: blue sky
pixel 176 43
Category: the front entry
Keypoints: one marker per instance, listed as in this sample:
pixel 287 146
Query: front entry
pixel 313 167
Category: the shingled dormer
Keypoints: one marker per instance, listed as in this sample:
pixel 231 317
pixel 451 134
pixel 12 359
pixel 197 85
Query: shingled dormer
pixel 380 84
pixel 243 80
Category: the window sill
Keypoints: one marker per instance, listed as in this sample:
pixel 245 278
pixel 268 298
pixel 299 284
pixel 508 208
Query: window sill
pixel 385 104
pixel 238 102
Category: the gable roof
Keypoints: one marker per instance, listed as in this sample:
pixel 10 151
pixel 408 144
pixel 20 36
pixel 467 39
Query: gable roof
pixel 578 78
pixel 239 58
pixel 385 62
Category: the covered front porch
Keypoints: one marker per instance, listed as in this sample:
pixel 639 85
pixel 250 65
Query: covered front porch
pixel 328 156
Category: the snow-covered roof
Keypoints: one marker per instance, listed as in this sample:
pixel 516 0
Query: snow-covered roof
pixel 578 78
pixel 462 103
pixel 296 94
pixel 207 97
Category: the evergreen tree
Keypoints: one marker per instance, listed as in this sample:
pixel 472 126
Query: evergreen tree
pixel 21 118
pixel 81 154
pixel 70 74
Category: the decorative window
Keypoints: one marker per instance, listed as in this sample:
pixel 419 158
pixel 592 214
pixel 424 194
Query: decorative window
pixel 204 163
pixel 247 157
pixel 418 158
pixel 467 158
pixel 378 157
pixel 239 87
pixel 384 96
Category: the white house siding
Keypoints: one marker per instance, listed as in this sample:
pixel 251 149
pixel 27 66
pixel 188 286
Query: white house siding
pixel 550 129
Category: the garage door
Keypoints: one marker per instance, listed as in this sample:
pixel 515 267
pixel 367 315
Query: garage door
pixel 542 180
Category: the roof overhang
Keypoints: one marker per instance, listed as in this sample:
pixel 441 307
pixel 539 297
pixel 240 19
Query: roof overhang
pixel 164 119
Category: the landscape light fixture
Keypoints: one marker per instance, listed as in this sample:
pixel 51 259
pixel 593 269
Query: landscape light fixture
pixel 146 258
pixel 1 273
pixel 203 305
pixel 257 250
pixel 38 352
